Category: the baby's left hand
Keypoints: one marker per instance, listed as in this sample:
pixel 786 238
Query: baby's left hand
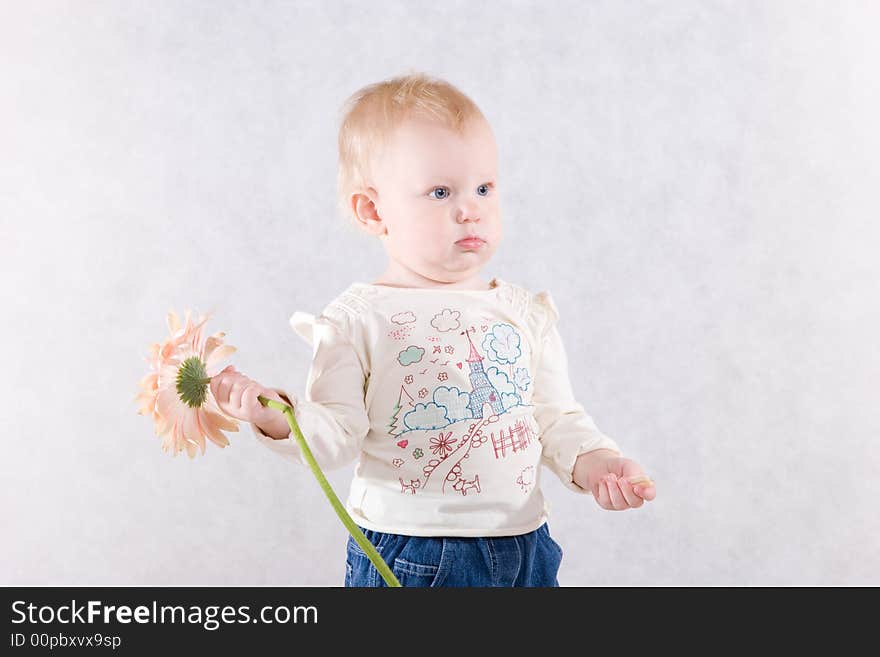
pixel 622 485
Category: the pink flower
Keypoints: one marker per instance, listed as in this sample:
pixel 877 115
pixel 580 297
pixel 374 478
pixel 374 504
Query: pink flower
pixel 176 393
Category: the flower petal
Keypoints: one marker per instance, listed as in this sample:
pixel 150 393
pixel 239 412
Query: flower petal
pixel 211 428
pixel 218 355
pixel 173 322
pixel 200 431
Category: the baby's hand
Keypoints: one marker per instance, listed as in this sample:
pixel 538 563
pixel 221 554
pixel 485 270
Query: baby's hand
pixel 623 486
pixel 236 395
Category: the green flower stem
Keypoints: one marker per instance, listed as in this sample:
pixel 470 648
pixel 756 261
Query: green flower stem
pixel 353 528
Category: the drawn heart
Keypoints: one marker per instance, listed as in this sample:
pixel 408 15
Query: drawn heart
pixel 403 443
pixel 459 365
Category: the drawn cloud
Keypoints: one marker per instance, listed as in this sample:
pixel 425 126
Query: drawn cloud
pixel 500 381
pixel 403 318
pixel 426 416
pixel 446 320
pixel 509 401
pixel 502 344
pixel 521 378
pixel 410 355
pixel 509 396
pixel 455 401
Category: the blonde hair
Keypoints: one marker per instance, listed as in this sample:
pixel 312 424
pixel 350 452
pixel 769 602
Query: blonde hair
pixel 372 113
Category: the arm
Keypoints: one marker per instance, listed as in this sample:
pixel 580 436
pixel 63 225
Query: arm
pixel 568 434
pixel 332 416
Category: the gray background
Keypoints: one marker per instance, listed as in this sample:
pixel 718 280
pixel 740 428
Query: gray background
pixel 694 182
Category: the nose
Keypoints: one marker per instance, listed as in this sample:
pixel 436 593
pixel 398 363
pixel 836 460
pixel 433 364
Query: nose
pixel 469 212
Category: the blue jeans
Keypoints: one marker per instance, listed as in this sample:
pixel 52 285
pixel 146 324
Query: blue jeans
pixel 531 559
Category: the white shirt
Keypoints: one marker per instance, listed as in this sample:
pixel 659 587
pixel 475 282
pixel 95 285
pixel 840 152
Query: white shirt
pixel 450 400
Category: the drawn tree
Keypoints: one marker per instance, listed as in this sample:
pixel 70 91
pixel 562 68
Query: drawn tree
pixel 393 429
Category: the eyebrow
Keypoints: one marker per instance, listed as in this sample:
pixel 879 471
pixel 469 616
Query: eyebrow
pixel 446 178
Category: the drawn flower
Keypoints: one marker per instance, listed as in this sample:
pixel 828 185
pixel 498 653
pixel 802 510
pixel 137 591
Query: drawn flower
pixel 443 376
pixel 449 349
pixel 176 393
pixel 443 444
pixel 423 393
pixel 408 378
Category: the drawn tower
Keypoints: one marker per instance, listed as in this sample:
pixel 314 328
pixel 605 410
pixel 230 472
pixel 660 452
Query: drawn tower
pixel 482 390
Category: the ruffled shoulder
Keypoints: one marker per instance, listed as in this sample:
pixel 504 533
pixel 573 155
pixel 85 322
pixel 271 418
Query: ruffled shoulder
pixel 515 296
pixel 543 313
pixel 304 325
pixel 342 314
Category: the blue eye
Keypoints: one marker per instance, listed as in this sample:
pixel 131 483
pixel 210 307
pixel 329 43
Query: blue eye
pixel 485 186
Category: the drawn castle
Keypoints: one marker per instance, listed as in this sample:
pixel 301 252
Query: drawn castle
pixel 482 390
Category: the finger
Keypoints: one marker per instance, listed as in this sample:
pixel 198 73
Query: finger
pixel 249 395
pixel 221 390
pixel 214 385
pixel 629 495
pixel 235 393
pixel 639 479
pixel 219 377
pixel 604 498
pixel 617 500
pixel 647 493
pixel 249 398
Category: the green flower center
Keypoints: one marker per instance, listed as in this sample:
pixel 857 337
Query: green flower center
pixel 192 382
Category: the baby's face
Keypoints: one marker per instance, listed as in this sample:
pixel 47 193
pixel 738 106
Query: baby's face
pixel 434 188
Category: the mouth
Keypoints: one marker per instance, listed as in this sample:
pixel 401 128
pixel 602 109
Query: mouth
pixel 471 243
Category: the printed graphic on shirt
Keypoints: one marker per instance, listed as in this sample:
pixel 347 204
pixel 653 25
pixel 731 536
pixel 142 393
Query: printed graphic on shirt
pixel 443 444
pixel 513 439
pixel 406 321
pixel 447 422
pixel 448 320
pixel 526 478
pixel 440 472
pixel 410 355
pixel 410 487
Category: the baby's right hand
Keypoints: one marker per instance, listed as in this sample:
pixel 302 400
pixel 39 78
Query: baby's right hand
pixel 236 395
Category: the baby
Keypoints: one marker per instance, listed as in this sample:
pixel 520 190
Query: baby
pixel 449 390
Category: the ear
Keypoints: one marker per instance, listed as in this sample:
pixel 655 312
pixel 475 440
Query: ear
pixel 364 208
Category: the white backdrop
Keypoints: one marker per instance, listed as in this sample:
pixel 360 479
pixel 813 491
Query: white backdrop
pixel 694 182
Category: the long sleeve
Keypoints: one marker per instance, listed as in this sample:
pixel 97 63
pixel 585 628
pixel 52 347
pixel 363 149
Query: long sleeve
pixel 332 416
pixel 566 430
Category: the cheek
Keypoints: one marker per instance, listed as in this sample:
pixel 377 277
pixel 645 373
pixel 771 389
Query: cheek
pixel 426 238
pixel 494 231
pixel 496 228
pixel 433 241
